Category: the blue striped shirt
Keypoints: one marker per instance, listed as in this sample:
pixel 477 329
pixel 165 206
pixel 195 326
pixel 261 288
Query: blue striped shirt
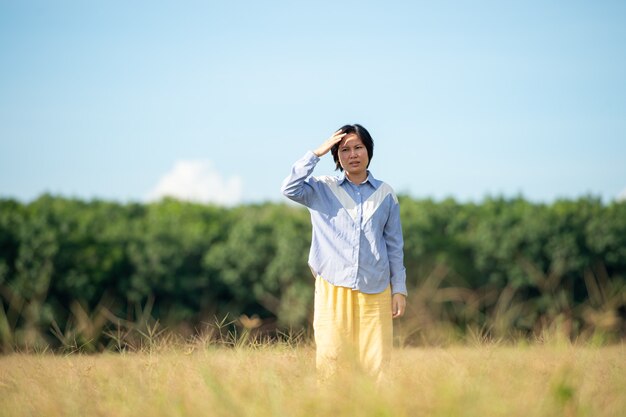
pixel 357 237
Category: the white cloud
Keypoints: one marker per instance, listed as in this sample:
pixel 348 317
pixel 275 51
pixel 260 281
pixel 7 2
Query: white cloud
pixel 198 181
pixel 622 195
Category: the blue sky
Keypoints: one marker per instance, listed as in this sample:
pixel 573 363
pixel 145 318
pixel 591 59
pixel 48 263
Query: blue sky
pixel 213 101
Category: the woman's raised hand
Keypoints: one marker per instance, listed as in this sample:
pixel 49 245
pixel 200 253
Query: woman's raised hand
pixel 330 142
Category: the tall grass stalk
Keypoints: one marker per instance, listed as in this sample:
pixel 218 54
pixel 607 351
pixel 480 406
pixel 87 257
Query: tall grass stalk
pixel 279 380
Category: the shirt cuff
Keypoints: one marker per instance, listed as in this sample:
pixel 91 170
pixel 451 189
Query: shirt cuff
pixel 398 287
pixel 310 156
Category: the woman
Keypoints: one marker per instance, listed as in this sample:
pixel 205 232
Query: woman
pixel 356 253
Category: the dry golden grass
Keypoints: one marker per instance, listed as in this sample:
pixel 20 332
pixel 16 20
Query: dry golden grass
pixel 484 380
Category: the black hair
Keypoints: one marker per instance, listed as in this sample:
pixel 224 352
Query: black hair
pixel 365 137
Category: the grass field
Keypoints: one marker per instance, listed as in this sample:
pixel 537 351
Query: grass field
pixel 484 380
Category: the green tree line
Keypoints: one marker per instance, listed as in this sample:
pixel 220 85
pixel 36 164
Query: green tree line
pixel 507 267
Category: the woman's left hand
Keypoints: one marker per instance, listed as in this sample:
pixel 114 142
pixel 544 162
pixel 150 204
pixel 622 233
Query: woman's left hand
pixel 398 305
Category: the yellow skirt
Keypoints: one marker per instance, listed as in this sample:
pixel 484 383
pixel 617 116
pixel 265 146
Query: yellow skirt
pixel 351 327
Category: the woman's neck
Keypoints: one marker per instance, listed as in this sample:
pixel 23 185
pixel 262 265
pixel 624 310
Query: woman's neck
pixel 358 178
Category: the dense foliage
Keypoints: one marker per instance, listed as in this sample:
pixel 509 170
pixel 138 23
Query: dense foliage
pixel 506 266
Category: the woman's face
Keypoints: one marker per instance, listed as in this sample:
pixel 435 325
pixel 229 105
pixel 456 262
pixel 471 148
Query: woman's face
pixel 353 156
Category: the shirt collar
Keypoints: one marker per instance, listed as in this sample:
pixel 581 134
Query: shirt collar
pixel 370 178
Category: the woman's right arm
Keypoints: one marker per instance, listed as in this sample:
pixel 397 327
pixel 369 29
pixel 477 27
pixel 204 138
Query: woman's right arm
pixel 295 187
